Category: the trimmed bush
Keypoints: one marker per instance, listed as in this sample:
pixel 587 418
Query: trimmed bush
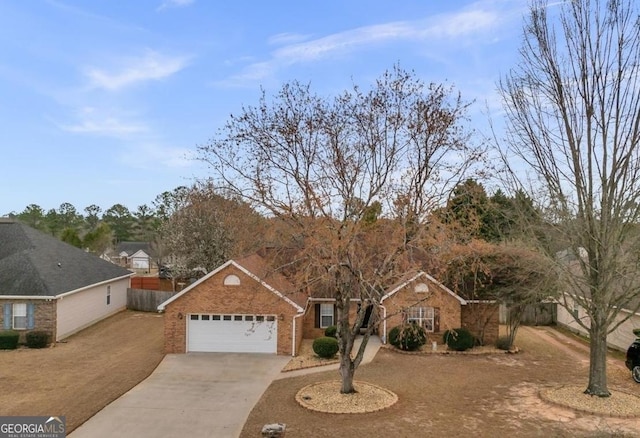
pixel 325 346
pixel 331 331
pixel 37 339
pixel 503 343
pixel 9 340
pixel 408 337
pixel 459 339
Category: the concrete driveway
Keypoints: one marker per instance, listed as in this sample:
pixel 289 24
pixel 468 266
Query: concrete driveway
pixel 194 395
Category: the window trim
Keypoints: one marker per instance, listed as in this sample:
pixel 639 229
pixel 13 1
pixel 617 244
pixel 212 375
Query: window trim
pixel 326 311
pixel 424 316
pixel 15 315
pixel 231 280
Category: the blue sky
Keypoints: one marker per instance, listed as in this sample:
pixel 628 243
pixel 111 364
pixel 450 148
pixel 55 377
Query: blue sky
pixel 104 102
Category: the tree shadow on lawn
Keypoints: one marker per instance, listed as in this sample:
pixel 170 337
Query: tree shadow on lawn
pixel 451 395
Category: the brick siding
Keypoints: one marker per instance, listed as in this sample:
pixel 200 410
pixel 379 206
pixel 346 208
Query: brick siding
pixel 44 317
pixel 450 312
pixel 482 319
pixel 212 296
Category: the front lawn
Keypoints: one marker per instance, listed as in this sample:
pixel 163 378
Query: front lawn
pixel 454 395
pixel 84 373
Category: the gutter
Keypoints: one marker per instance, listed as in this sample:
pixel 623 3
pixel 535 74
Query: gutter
pixel 26 297
pixel 55 297
pixel 293 339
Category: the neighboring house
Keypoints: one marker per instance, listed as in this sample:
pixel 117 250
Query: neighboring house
pixel 132 255
pixel 244 306
pixel 620 338
pixel 46 284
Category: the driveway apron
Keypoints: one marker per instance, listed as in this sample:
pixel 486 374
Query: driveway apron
pixel 194 395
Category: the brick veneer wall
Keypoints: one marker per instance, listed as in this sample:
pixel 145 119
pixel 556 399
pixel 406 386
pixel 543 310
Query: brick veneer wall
pixel 450 312
pixel 212 296
pixel 482 319
pixel 44 317
pixel 310 329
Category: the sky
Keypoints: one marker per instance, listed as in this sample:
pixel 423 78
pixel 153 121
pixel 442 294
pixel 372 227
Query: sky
pixel 105 102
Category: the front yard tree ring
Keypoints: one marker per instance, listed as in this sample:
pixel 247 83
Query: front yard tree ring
pixel 326 397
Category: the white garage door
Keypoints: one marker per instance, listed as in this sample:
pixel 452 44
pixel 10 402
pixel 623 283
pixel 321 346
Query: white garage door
pixel 232 333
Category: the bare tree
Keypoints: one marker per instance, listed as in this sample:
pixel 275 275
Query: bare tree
pixel 573 111
pixel 205 229
pixel 329 167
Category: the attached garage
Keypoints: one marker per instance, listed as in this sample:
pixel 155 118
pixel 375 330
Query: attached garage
pixel 243 306
pixel 232 333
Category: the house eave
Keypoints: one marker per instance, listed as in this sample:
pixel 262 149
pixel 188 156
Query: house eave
pixel 111 280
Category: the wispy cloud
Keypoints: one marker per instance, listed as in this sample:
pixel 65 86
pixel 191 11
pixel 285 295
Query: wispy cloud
pixel 167 4
pixel 469 23
pixel 103 123
pixel 146 155
pixel 286 38
pixel 151 66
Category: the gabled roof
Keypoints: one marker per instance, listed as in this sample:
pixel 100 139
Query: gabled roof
pixel 139 253
pixel 131 248
pixel 255 267
pixel 411 277
pixel 33 263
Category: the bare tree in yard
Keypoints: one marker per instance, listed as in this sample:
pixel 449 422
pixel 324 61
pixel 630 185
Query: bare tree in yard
pixel 205 228
pixel 330 167
pixel 573 109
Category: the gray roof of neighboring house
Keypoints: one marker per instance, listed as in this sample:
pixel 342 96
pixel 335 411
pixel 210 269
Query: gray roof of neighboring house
pixel 132 247
pixel 33 263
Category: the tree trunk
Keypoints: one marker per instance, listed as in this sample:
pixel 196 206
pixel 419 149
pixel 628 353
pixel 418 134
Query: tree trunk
pixel 347 371
pixel 598 361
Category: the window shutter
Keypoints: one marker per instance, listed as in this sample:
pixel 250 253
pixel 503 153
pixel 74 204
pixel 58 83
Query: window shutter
pixel 7 316
pixel 335 315
pixel 436 319
pixel 317 309
pixel 30 315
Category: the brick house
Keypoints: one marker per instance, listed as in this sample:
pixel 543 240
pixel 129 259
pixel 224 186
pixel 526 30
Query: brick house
pixel 244 306
pixel 422 299
pixel 48 285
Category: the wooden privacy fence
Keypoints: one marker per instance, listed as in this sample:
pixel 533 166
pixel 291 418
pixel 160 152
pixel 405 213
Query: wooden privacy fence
pixel 540 314
pixel 146 300
pixel 151 283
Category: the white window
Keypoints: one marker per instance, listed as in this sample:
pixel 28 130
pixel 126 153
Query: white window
pixel 326 315
pixel 108 295
pixel 422 316
pixel 20 316
pixel 421 288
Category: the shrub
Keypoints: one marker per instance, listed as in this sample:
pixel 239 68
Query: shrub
pixel 37 339
pixel 9 340
pixel 325 346
pixel 331 331
pixel 459 339
pixel 408 337
pixel 503 343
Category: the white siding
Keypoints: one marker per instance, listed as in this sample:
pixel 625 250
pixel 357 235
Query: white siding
pixel 80 310
pixel 620 338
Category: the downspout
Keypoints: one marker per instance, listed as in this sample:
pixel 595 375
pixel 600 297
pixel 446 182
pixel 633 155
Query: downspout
pixel 384 324
pixel 293 340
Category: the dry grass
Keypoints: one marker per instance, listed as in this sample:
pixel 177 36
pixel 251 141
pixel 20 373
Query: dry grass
pixel 83 374
pixel 455 395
